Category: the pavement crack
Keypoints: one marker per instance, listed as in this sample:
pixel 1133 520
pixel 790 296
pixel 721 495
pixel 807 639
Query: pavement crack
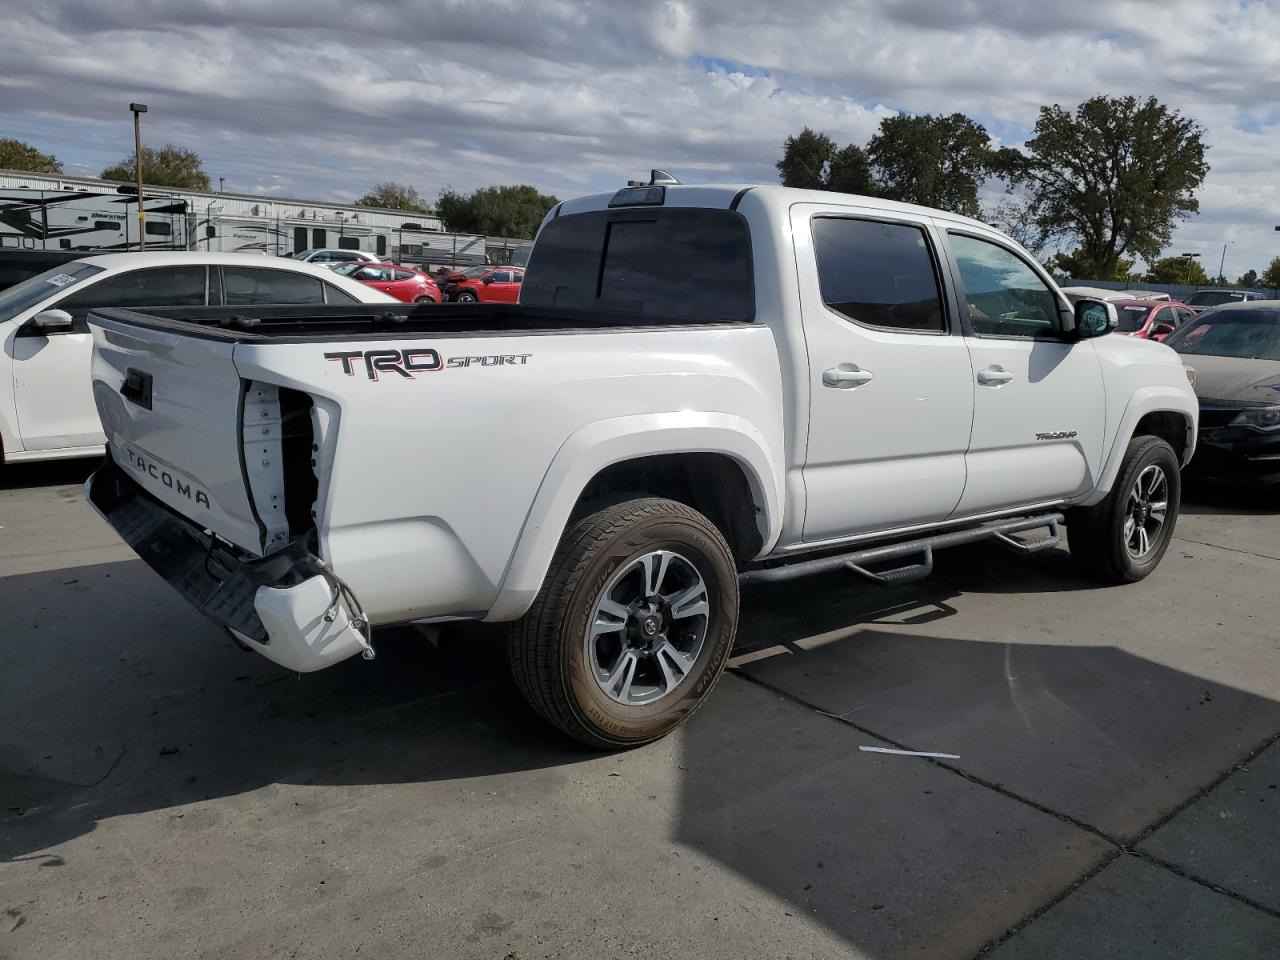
pixel 1218 546
pixel 1186 874
pixel 963 774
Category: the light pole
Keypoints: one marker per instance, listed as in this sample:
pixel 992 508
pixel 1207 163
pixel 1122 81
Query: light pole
pixel 138 110
pixel 221 181
pixel 1187 272
pixel 1222 264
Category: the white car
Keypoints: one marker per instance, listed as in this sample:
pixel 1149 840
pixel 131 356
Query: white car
pixel 331 257
pixel 700 386
pixel 46 402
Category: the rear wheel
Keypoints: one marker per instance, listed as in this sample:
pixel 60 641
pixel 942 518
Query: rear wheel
pixel 1123 538
pixel 633 625
pixel 425 299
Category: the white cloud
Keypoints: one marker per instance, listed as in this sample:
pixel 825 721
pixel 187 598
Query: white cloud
pixel 325 99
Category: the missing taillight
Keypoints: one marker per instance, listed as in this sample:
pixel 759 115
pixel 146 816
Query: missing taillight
pixel 298 448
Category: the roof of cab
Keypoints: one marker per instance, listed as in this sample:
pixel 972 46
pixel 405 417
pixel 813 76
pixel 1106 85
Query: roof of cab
pixel 723 195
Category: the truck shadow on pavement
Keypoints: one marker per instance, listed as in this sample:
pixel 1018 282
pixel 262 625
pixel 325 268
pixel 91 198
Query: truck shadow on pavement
pixel 117 700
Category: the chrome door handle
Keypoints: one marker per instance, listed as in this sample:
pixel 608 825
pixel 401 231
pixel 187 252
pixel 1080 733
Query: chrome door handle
pixel 846 375
pixel 994 376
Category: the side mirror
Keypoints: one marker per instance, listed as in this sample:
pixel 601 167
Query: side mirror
pixel 487 280
pixel 48 322
pixel 1161 329
pixel 1095 318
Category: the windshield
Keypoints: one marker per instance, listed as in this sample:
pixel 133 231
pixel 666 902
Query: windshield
pixel 345 269
pixel 1132 319
pixel 1248 334
pixel 22 296
pixel 1211 298
pixel 472 272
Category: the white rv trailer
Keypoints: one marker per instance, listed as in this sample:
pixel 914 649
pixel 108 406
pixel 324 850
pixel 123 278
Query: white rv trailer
pixel 51 212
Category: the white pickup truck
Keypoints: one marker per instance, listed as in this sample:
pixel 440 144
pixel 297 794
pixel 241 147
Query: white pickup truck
pixel 701 386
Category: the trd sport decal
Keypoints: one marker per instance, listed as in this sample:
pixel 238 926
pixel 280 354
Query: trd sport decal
pixel 416 360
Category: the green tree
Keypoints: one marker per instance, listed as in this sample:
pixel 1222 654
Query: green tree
pixel 394 196
pixel 805 160
pixel 849 171
pixel 1113 175
pixel 1078 265
pixel 1271 276
pixel 16 155
pixel 167 166
pixel 1182 270
pixel 1248 279
pixel 938 161
pixel 1014 216
pixel 511 211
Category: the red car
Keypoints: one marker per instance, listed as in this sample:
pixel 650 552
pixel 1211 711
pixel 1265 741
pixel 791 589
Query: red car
pixel 411 286
pixel 494 285
pixel 1151 319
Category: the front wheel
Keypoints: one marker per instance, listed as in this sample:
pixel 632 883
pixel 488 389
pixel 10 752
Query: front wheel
pixel 1123 538
pixel 633 625
pixel 466 296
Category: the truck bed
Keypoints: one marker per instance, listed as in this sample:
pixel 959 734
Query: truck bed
pixel 314 323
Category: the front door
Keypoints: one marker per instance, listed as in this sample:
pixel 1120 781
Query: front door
pixel 890 390
pixel 52 386
pixel 1039 407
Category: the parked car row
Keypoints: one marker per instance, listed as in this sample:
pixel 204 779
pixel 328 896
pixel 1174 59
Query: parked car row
pixel 483 283
pixel 47 409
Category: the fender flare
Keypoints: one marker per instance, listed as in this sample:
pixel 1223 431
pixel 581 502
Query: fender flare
pixel 603 443
pixel 1145 400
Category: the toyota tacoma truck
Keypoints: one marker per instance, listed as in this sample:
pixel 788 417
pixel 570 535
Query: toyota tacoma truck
pixel 701 387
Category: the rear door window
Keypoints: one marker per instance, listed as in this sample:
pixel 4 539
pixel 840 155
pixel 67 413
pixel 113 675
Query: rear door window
pixel 681 264
pixel 244 286
pixel 879 274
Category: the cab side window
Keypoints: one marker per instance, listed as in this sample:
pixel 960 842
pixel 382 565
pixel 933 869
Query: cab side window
pixel 878 274
pixel 1003 295
pixel 157 287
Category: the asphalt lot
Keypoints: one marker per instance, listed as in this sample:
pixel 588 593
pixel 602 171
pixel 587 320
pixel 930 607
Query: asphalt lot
pixel 1117 792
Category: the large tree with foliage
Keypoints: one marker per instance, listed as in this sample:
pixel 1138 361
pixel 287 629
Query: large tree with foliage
pixel 512 211
pixel 1271 276
pixel 805 158
pixel 938 161
pixel 16 155
pixel 394 196
pixel 1182 270
pixel 1248 279
pixel 167 166
pixel 1112 176
pixel 1078 265
pixel 811 161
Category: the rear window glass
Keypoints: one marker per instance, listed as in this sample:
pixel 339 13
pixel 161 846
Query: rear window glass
pixel 682 264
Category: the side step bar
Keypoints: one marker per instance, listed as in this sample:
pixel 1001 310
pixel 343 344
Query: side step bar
pixel 922 548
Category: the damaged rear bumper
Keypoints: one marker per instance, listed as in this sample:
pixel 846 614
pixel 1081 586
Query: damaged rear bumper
pixel 286 606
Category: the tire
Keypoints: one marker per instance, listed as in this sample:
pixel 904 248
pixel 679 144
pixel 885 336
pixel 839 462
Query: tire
pixel 1102 543
pixel 425 300
pixel 560 664
pixel 466 296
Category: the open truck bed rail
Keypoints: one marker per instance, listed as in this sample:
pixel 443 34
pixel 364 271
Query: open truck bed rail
pixel 317 323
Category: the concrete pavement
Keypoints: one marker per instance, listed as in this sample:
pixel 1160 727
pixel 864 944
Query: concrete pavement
pixel 163 794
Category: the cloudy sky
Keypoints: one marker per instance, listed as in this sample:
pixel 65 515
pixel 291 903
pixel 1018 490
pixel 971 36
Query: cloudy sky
pixel 322 99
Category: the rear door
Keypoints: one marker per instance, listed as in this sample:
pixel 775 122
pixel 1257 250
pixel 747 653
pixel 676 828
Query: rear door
pixel 1039 406
pixel 891 393
pixel 52 388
